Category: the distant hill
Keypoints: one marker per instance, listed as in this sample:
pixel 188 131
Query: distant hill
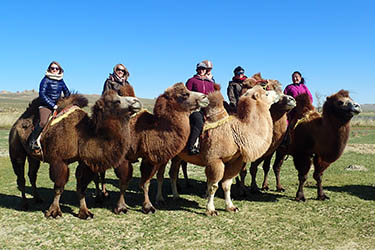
pixel 24 97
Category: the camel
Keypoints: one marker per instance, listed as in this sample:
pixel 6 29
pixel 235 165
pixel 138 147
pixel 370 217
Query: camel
pixel 243 137
pixel 319 138
pixel 99 141
pixel 157 138
pixel 279 112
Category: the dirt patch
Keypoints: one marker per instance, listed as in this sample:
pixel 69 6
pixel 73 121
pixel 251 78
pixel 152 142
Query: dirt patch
pixel 361 148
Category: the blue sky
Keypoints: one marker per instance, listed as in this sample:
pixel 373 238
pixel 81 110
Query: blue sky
pixel 330 42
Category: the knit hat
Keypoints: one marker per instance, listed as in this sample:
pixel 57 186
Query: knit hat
pixel 238 70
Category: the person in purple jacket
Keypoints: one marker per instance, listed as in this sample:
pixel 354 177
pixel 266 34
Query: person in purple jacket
pixel 198 83
pixel 295 89
pixel 50 89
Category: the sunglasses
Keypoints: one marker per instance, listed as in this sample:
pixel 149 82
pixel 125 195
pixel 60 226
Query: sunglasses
pixel 122 70
pixel 54 68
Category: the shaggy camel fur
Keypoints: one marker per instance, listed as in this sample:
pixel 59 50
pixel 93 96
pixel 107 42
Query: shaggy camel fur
pixel 319 139
pixel 99 141
pixel 279 112
pixel 158 137
pixel 242 138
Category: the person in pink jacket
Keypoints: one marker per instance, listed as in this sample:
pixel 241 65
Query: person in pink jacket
pixel 295 89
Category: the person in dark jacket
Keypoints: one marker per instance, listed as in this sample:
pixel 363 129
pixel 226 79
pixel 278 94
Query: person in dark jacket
pixel 50 89
pixel 235 87
pixel 118 78
pixel 198 83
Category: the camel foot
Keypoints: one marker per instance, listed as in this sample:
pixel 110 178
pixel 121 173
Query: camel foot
pixel 148 208
pixel 84 214
pixel 280 189
pixel 265 188
pixel 53 211
pixel 103 196
pixel 255 190
pixel 323 197
pixel 212 213
pixel 300 197
pixel 232 209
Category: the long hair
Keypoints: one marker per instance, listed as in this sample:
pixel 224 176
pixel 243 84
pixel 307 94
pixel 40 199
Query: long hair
pixel 58 65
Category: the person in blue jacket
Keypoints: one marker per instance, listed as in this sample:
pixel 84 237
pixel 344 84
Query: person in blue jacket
pixel 50 89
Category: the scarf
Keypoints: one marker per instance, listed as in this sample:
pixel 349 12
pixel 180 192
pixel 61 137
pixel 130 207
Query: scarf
pixel 118 79
pixel 56 77
pixel 239 80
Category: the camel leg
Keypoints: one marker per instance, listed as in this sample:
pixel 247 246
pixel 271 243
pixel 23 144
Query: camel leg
pixel 320 166
pixel 173 174
pixel 147 172
pixel 253 172
pixel 184 171
pixel 302 163
pixel 101 193
pixel 34 165
pixel 160 177
pixel 124 172
pixel 59 174
pixel 214 172
pixel 84 176
pixel 279 160
pixel 266 169
pixel 18 163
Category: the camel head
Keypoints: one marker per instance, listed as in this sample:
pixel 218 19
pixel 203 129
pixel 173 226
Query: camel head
pixel 341 105
pixel 259 95
pixel 215 109
pixel 179 98
pixel 257 79
pixel 113 105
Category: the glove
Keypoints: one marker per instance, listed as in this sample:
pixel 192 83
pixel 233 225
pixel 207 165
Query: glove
pixel 55 107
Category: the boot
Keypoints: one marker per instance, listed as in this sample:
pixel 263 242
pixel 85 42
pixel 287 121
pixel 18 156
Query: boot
pixel 194 149
pixel 33 145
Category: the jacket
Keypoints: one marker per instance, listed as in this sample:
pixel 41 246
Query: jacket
pixel 295 90
pixel 234 91
pixel 111 83
pixel 197 84
pixel 50 91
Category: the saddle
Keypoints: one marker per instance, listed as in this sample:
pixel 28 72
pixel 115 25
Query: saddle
pixel 54 119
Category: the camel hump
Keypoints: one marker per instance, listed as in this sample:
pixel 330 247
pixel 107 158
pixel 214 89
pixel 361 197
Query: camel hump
pixel 72 100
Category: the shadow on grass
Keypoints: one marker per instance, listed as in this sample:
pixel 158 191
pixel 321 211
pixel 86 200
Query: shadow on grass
pixel 361 191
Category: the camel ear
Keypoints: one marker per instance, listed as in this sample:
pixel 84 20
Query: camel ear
pixel 256 96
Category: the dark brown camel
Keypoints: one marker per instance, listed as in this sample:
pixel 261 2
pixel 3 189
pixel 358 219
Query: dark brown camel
pixel 99 141
pixel 158 137
pixel 319 138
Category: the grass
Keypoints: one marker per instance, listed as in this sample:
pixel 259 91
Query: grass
pixel 266 221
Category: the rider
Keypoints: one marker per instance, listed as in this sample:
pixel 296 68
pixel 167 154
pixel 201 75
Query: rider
pixel 235 86
pixel 198 83
pixel 118 78
pixel 50 89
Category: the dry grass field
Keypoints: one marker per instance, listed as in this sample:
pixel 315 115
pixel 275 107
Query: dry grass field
pixel 269 220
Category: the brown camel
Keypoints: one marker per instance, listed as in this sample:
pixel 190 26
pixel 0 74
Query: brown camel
pixel 241 138
pixel 319 138
pixel 99 141
pixel 279 112
pixel 158 137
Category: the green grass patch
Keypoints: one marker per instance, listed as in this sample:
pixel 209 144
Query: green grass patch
pixel 266 221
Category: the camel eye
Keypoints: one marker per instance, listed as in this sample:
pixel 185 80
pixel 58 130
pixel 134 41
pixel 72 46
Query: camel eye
pixel 340 103
pixel 185 95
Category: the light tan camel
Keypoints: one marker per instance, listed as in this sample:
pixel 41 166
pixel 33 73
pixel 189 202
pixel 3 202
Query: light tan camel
pixel 244 137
